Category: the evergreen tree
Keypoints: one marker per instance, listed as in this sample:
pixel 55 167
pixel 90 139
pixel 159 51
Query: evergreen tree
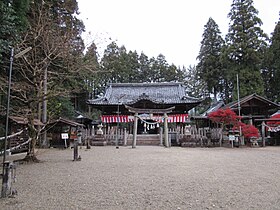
pixel 145 73
pixel 133 67
pixel 159 68
pixel 14 22
pixel 110 64
pixel 91 70
pixel 119 65
pixel 21 8
pixel 246 43
pixel 271 71
pixel 209 66
pixel 174 74
pixel 196 87
pixel 13 19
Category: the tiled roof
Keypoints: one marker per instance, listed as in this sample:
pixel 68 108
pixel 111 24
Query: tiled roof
pixel 130 93
pixel 23 120
pixel 234 104
pixel 214 107
pixel 67 122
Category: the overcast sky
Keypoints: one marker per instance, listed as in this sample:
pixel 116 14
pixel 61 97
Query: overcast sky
pixel 173 28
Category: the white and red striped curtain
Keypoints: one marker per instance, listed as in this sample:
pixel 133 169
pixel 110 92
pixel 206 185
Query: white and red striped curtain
pixel 129 118
pixel 177 118
pixel 114 118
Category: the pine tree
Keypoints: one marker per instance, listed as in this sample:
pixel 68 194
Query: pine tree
pixel 271 71
pixel 209 66
pixel 112 62
pixel 196 87
pixel 145 73
pixel 246 43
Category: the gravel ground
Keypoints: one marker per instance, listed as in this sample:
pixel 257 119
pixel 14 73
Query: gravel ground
pixel 149 178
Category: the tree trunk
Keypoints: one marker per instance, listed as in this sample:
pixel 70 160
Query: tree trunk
pixel 33 134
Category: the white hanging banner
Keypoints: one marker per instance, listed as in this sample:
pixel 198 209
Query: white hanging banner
pixel 272 128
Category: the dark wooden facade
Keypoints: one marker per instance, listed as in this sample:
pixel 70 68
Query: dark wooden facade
pixel 59 126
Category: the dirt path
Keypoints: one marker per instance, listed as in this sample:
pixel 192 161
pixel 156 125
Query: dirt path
pixel 150 178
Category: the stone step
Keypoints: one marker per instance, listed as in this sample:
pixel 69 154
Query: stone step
pixel 145 139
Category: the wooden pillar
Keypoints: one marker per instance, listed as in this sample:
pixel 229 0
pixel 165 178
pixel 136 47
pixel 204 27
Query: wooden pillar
pixel 160 137
pixel 7 179
pixel 75 150
pixel 263 133
pixel 135 130
pixel 125 137
pixel 166 141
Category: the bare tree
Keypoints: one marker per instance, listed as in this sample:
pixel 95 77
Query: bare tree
pixel 50 68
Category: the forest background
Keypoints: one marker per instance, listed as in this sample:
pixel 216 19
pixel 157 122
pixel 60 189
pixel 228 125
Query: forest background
pixel 59 74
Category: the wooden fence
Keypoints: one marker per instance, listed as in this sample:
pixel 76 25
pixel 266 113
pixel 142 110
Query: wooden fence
pixel 185 135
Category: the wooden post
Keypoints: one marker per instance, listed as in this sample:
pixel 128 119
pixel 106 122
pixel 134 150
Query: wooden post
pixel 160 137
pixel 75 150
pixel 221 137
pixel 7 179
pixel 135 130
pixel 263 133
pixel 166 141
pixel 125 137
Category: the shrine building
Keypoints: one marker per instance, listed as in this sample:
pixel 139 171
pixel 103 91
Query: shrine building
pixel 144 109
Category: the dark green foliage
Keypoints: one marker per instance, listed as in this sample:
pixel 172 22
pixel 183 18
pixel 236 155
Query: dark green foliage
pixel 196 87
pixel 271 70
pixel 60 107
pixel 246 43
pixel 13 22
pixel 209 67
pixel 145 73
pixel 161 71
pixel 7 29
pixel 21 8
pixel 119 65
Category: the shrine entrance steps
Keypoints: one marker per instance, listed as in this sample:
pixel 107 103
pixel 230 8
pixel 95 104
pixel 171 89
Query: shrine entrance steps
pixel 144 139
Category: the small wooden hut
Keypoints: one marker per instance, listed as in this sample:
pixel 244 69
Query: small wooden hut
pixel 63 126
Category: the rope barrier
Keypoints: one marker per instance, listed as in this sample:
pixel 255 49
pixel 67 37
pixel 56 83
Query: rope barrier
pixel 16 147
pixel 149 123
pixel 13 135
pixel 272 128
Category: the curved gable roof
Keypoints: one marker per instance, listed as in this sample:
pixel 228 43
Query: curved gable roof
pixel 159 93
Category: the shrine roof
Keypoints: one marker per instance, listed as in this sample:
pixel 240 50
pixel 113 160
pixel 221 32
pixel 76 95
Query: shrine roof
pixel 244 102
pixel 269 104
pixel 213 107
pixel 159 93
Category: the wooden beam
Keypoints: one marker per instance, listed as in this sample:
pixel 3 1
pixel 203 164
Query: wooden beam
pixel 135 130
pixel 150 111
pixel 166 140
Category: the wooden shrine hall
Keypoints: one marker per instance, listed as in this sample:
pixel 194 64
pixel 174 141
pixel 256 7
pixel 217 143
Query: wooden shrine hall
pixel 144 108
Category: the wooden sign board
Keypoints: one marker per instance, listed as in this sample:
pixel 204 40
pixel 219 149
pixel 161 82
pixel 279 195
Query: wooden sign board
pixel 64 136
